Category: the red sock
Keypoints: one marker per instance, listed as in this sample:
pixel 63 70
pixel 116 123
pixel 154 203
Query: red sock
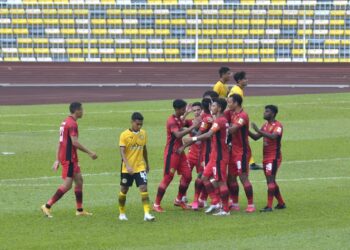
pixel 224 197
pixel 248 192
pixel 198 187
pixel 278 195
pixel 234 191
pixel 211 192
pixel 162 188
pixel 204 194
pixel 271 188
pixel 58 195
pixel 79 197
pixel 184 183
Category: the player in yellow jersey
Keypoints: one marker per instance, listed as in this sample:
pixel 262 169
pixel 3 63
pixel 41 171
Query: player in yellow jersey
pixel 221 86
pixel 135 165
pixel 238 88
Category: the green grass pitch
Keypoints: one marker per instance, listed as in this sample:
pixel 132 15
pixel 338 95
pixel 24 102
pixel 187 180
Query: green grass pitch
pixel 314 180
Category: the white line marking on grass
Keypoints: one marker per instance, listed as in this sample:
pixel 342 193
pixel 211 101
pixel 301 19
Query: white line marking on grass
pixel 160 170
pixel 8 153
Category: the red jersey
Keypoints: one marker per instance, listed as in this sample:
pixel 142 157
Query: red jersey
pixel 67 152
pixel 219 147
pixel 195 149
pixel 272 148
pixel 228 114
pixel 240 142
pixel 207 122
pixel 174 124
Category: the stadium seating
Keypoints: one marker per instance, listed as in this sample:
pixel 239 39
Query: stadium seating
pixel 175 30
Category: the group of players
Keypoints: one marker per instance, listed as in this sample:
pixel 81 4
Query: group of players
pixel 218 149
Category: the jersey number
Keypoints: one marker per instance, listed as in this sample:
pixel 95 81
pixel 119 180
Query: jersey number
pixel 143 176
pixel 61 133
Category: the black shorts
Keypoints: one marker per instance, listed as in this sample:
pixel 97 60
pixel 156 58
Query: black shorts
pixel 127 180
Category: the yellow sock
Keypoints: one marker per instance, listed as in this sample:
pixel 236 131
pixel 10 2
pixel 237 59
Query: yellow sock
pixel 251 160
pixel 145 202
pixel 122 200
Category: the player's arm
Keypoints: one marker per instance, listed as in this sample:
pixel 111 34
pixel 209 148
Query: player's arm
pixel 181 133
pixel 187 112
pixel 254 136
pixel 262 133
pixel 82 148
pixel 233 129
pixel 125 160
pixel 56 164
pixel 145 157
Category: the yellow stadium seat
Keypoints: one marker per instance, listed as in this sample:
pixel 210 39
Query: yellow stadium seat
pixel 269 59
pixel 157 60
pixel 210 21
pixel 74 50
pixel 257 22
pixel 332 42
pixel 337 22
pixel 219 41
pixel 226 21
pixel 4 11
pixel 204 51
pixel 236 59
pixel 162 21
pixel 20 31
pixel 49 11
pixel 209 32
pixel 257 32
pixel 73 41
pixel 129 12
pixel 125 60
pixel 139 41
pixel 114 21
pixel 242 22
pixel 219 51
pixel 81 12
pixel 193 12
pixel 267 51
pixel 298 51
pixel 170 1
pixel 51 21
pixel 61 1
pixel 347 32
pixel 107 1
pixel 139 51
pixel 306 32
pixel 273 22
pixel 109 60
pixel 224 12
pixel 235 51
pixel 178 21
pixel 91 41
pixel 131 31
pixel 240 32
pixel 17 11
pixel 125 51
pixel 65 11
pixel 154 1
pixel 172 59
pixel 26 50
pixel 98 21
pixel 338 12
pixel 162 32
pixel 289 22
pixel 93 51
pixel 146 12
pixel 29 1
pixel 307 12
pixel 45 1
pixel 41 50
pixel 299 41
pixel 34 21
pixel 204 41
pixel 11 59
pixel 193 32
pixel 76 59
pixel 275 12
pixel 67 21
pixel 331 60
pixel 41 40
pixel 220 59
pixel 24 40
pixel 251 51
pixel 171 41
pixel 201 1
pixel 318 60
pixel 284 41
pixel 171 51
pixel 242 12
pixel 248 2
pixel 344 60
pixel 19 21
pixel 106 41
pixel 68 31
pixel 114 12
pixel 336 32
pixel 235 41
pixel 146 32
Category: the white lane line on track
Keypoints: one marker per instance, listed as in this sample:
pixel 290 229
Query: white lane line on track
pixel 160 170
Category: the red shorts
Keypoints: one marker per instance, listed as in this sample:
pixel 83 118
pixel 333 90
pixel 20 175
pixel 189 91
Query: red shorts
pixel 271 166
pixel 176 163
pixel 216 170
pixel 69 169
pixel 239 164
pixel 195 163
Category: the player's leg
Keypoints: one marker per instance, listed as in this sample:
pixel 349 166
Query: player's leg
pixel 210 187
pixel 78 191
pixel 281 204
pixel 253 165
pixel 67 176
pixel 126 181
pixel 248 189
pixel 186 176
pixel 141 183
pixel 233 188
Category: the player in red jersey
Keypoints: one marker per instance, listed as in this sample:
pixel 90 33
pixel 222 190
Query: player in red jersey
pixel 173 161
pixel 240 153
pixel 272 132
pixel 67 156
pixel 219 155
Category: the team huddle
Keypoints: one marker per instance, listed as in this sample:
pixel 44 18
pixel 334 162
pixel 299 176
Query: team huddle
pixel 217 138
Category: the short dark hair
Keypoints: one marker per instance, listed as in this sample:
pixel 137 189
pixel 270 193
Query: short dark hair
pixel 211 93
pixel 206 103
pixel 221 102
pixel 179 104
pixel 237 98
pixel 273 108
pixel 136 116
pixel 74 106
pixel 239 76
pixel 197 104
pixel 223 70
